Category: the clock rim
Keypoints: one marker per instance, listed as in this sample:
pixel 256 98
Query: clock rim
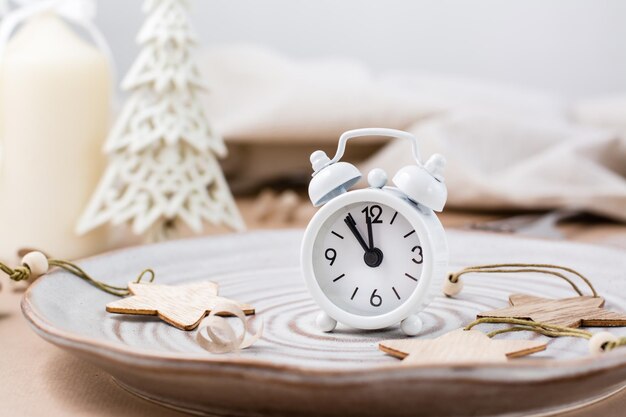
pixel 388 197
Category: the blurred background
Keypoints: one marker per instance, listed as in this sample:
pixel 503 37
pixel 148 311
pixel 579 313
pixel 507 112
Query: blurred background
pixel 574 48
pixel 526 100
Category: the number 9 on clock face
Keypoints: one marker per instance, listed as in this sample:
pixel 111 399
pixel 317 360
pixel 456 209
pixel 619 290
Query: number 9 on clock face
pixel 367 258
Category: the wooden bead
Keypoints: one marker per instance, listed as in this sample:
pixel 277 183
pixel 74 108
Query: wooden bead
pixel 36 262
pixel 598 340
pixel 450 289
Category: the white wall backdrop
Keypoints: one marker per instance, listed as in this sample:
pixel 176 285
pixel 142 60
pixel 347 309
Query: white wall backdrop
pixel 576 48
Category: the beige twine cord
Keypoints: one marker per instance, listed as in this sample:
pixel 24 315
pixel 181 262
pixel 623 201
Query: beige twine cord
pixel 23 272
pixel 542 328
pixel 523 267
pixel 216 335
pixel 530 325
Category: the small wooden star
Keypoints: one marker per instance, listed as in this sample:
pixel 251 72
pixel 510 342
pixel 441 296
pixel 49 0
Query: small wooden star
pixel 459 347
pixel 567 312
pixel 182 306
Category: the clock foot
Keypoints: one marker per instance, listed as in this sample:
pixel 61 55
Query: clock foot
pixel 325 322
pixel 412 325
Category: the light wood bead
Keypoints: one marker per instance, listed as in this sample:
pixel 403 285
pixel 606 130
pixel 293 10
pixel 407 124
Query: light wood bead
pixel 598 340
pixel 450 289
pixel 36 262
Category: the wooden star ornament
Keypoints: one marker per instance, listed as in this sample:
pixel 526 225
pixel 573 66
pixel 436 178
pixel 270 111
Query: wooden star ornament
pixel 459 347
pixel 182 306
pixel 567 312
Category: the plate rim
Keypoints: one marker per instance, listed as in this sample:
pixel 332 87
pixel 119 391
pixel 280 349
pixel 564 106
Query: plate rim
pixel 123 355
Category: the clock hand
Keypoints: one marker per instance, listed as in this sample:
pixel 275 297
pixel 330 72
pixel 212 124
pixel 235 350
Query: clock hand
pixel 373 257
pixel 370 235
pixel 349 220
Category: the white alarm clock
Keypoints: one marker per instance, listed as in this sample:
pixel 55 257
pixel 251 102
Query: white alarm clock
pixel 375 257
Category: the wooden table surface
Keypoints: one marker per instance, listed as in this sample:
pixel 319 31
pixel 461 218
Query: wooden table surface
pixel 38 379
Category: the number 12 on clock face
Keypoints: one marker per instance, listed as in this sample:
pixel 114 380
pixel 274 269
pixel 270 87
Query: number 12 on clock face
pixel 367 258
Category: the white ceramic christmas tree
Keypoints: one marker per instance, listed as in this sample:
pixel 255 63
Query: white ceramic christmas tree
pixel 162 151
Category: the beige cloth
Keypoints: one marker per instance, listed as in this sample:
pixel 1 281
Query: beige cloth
pixel 497 162
pixel 506 147
pixel 257 94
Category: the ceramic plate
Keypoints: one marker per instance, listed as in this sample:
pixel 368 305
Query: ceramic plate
pixel 297 370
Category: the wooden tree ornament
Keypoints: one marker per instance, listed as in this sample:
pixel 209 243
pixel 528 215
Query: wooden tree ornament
pixel 459 347
pixel 182 306
pixel 583 311
pixel 163 165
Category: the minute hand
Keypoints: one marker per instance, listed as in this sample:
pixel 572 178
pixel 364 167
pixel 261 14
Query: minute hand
pixel 352 226
pixel 370 235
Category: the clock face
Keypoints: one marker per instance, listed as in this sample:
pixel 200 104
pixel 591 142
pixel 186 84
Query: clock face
pixel 367 258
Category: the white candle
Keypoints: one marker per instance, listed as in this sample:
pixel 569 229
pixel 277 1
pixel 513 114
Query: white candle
pixel 54 115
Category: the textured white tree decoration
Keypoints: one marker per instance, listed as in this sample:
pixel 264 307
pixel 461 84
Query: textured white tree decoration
pixel 162 151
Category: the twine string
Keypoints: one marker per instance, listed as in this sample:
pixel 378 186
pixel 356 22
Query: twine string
pixel 18 274
pixel 545 329
pixel 526 325
pixel 527 267
pixel 22 273
pixel 615 344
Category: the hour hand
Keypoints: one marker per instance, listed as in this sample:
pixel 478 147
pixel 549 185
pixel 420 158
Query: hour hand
pixel 349 220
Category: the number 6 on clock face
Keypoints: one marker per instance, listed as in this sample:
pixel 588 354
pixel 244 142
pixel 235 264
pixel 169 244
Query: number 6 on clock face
pixel 367 258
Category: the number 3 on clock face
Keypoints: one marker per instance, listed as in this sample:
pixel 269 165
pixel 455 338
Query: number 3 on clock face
pixel 367 258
